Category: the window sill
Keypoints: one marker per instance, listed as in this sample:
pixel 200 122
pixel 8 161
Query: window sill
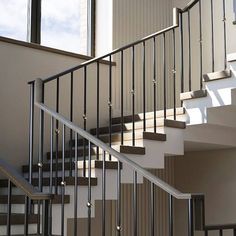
pixel 52 50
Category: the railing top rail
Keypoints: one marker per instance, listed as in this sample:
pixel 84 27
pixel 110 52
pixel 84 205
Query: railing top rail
pixel 190 5
pixel 96 59
pixel 152 178
pixel 9 171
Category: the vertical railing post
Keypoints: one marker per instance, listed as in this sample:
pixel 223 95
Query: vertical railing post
pixel 98 105
pixel 76 186
pixel 189 51
pixel 133 95
pixel 181 52
pixel 104 194
pixel 39 97
pixel 31 131
pixel 144 86
pixel 212 37
pixel 152 204
pixel 9 195
pixel 45 217
pixel 174 73
pixel 89 204
pixel 200 41
pixel 190 218
pixel 118 224
pixel 71 116
pixel 225 35
pixel 122 95
pixel 85 120
pixel 164 74
pixel 135 205
pixel 171 216
pixel 154 86
pixel 110 103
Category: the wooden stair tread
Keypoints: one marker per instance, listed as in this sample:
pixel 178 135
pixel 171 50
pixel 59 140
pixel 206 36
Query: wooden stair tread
pixel 154 136
pixel 20 199
pixel 138 126
pixel 18 219
pixel 46 166
pixel 82 181
pixel 217 75
pixel 132 150
pixel 193 94
pixel 149 115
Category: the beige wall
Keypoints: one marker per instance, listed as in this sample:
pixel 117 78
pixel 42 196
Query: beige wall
pixel 18 65
pixel 212 173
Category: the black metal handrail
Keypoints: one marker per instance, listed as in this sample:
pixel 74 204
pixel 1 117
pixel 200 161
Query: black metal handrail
pixel 15 179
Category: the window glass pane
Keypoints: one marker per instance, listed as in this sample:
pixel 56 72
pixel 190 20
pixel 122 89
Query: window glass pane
pixel 64 25
pixel 13 19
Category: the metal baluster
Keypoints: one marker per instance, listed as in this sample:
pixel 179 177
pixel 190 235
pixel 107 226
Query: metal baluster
pixel 144 86
pixel 31 131
pixel 63 183
pixel 85 120
pixel 89 205
pixel 9 197
pixel 171 217
pixel 135 205
pixel 152 202
pixel 51 154
pixel 133 96
pixel 118 224
pixel 190 218
pixel 221 232
pixel 45 216
pixel 174 73
pixel 26 217
pixel 181 53
pixel 110 103
pixel 104 194
pixel 200 41
pixel 76 186
pixel 234 232
pixel 225 36
pixel 71 116
pixel 154 86
pixel 212 36
pixel 206 233
pixel 40 158
pixel 51 171
pixel 98 96
pixel 122 96
pixel 189 51
pixel 164 73
pixel 57 135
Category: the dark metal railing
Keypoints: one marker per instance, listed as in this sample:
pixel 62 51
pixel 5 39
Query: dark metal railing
pixel 14 179
pixel 153 92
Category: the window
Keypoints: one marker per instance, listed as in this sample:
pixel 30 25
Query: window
pixel 64 25
pixel 13 19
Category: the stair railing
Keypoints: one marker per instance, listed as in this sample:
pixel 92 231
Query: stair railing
pixel 153 71
pixel 18 181
pixel 107 151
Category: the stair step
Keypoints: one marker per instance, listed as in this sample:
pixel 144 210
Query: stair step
pixel 132 150
pixel 20 199
pixel 46 167
pixel 149 115
pixel 193 95
pixel 217 75
pixel 154 136
pixel 138 125
pixel 82 181
pixel 18 219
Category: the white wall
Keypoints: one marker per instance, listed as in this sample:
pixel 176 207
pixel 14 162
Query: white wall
pixel 213 174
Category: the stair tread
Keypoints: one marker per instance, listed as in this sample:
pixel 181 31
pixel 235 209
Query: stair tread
pixel 154 136
pixel 20 199
pixel 193 94
pixel 217 75
pixel 132 150
pixel 46 166
pixel 18 219
pixel 149 115
pixel 138 126
pixel 82 181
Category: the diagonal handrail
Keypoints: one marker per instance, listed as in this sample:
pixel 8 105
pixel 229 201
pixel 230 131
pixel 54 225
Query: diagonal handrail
pixel 9 171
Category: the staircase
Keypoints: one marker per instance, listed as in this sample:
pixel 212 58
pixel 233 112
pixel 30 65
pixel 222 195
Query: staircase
pixel 71 168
